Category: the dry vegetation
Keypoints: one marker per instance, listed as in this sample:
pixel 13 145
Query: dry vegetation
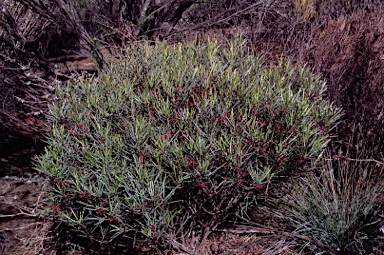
pixel 43 43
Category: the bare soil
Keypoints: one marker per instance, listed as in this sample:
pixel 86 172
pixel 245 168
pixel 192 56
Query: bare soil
pixel 23 229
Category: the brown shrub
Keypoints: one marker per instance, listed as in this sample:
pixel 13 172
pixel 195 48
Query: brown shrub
pixel 350 54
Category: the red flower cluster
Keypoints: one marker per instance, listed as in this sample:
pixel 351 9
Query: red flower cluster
pixel 191 102
pixel 281 160
pixel 264 151
pixel 263 123
pixel 65 197
pixel 203 184
pixel 115 219
pixel 260 186
pixel 221 118
pixel 243 173
pixel 82 195
pixel 100 211
pixel 174 116
pixel 142 157
pixel 164 137
pixel 195 89
pixel 56 208
pixel 60 183
pixel 180 88
pixel 191 162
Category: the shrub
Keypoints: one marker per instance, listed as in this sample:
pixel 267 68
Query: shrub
pixel 349 55
pixel 176 138
pixel 333 207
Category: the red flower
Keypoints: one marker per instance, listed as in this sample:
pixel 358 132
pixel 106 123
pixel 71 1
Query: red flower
pixel 100 211
pixel 191 162
pixel 72 132
pixel 260 186
pixel 223 117
pixel 153 228
pixel 65 197
pixel 281 159
pixel 80 126
pixel 82 195
pixel 180 88
pixel 195 89
pixel 322 129
pixel 291 129
pixel 191 103
pixel 237 169
pixel 174 116
pixel 264 123
pixel 203 184
pixel 59 183
pixel 142 157
pixel 304 160
pixel 115 219
pixel 180 187
pixel 265 151
pixel 56 208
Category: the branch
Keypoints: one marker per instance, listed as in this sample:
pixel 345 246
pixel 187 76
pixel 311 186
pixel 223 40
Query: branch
pixel 358 160
pixel 12 23
pixel 220 18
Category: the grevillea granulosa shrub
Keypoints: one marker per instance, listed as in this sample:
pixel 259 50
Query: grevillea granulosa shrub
pixel 178 137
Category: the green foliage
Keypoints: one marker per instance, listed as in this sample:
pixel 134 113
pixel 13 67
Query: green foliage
pixel 332 207
pixel 178 137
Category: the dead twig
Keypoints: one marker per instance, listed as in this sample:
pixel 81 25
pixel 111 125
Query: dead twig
pixel 358 160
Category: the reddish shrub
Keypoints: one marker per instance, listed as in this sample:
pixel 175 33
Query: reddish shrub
pixel 350 54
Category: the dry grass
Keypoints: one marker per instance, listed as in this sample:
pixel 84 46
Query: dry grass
pixel 24 229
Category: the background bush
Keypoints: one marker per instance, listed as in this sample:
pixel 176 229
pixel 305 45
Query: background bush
pixel 178 138
pixel 349 54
